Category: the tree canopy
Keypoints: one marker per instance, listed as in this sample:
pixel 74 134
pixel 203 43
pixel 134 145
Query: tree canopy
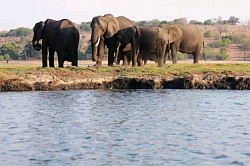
pixel 19 32
pixel 12 49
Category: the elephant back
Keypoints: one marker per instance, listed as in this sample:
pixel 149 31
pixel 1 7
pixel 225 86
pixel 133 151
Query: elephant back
pixel 65 23
pixel 124 22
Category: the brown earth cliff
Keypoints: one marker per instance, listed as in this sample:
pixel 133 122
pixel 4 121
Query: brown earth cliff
pixel 181 76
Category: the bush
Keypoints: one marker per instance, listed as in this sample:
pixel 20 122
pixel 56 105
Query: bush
pixel 12 49
pixel 1 58
pixel 211 54
pixel 222 54
pixel 208 34
pixel 6 56
pixel 180 56
pixel 221 57
pixel 222 43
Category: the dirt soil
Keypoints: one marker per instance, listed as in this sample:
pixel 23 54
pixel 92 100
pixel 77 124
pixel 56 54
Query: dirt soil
pixel 70 78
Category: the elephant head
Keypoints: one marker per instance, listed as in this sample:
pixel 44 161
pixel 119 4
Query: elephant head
pixel 102 27
pixel 38 32
pixel 124 36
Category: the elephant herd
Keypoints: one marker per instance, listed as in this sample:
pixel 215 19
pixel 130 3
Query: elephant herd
pixel 124 41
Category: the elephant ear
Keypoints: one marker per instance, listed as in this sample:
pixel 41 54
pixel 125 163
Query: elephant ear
pixel 112 27
pixel 174 34
pixel 129 33
pixel 38 31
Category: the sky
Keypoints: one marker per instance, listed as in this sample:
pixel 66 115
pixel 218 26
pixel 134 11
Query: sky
pixel 25 13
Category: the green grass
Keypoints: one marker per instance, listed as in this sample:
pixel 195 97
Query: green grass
pixel 148 70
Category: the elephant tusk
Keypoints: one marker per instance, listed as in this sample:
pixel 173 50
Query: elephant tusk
pixel 98 41
pixel 118 46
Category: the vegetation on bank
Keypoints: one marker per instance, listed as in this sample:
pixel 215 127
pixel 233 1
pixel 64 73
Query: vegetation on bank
pixel 181 76
pixel 145 71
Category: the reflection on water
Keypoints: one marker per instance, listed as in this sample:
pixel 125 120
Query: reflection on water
pixel 125 127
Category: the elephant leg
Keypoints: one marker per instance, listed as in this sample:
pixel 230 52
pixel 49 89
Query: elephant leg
pixel 135 54
pixel 118 61
pixel 44 55
pixel 196 54
pixel 51 58
pixel 111 52
pixel 140 59
pixel 161 57
pixel 61 56
pixel 120 57
pixel 160 60
pixel 129 56
pixel 174 53
pixel 125 60
pixel 74 58
pixel 100 53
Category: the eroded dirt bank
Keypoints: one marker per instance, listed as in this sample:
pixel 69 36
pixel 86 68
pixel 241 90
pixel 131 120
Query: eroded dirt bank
pixel 46 81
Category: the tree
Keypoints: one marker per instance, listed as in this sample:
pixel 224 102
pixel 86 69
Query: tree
pixel 154 22
pixel 233 20
pixel 245 46
pixel 164 22
pixel 208 22
pixel 12 49
pixel 181 20
pixel 19 32
pixel 219 24
pixel 6 57
pixel 246 24
pixel 29 52
pixel 85 26
pixel 195 22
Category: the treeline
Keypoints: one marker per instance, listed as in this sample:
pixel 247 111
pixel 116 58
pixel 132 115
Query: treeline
pixel 19 32
pixel 85 26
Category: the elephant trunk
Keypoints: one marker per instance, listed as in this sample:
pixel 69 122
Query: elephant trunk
pixel 36 45
pixel 95 41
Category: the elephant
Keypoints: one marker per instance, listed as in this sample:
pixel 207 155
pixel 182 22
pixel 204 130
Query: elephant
pixel 103 33
pixel 57 36
pixel 176 34
pixel 192 41
pixel 152 40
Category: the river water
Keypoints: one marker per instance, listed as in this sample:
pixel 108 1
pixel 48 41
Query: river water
pixel 125 127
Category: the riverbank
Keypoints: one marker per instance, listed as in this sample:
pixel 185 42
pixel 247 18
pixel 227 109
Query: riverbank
pixel 180 76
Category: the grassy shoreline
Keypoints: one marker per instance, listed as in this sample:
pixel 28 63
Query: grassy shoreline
pixel 181 76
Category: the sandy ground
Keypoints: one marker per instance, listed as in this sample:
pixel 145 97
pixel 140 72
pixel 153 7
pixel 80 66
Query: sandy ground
pixel 91 63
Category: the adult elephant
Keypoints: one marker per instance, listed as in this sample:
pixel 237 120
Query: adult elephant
pixel 103 30
pixel 152 40
pixel 192 41
pixel 57 36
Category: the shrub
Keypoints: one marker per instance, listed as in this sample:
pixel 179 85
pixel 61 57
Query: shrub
pixel 6 56
pixel 208 34
pixel 180 56
pixel 210 53
pixel 1 57
pixel 222 55
pixel 222 43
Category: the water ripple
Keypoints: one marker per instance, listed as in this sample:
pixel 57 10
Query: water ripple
pixel 125 127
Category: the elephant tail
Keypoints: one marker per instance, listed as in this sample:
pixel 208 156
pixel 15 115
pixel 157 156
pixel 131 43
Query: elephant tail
pixel 204 51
